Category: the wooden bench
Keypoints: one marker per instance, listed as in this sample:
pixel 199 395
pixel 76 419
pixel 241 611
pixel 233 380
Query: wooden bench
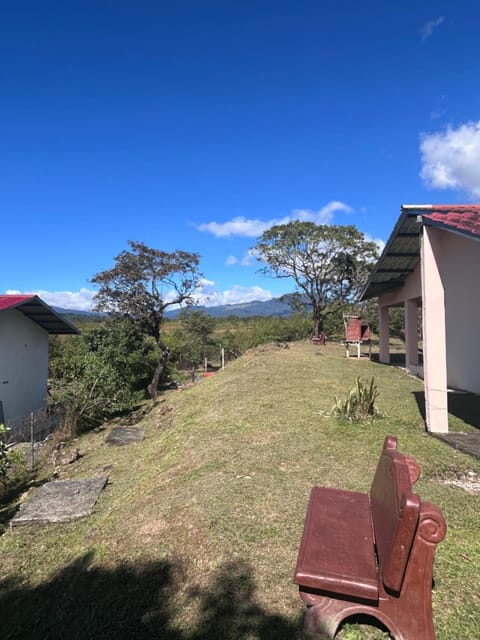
pixel 371 554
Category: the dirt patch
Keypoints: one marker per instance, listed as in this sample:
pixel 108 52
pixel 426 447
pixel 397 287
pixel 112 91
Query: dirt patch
pixel 152 529
pixel 469 481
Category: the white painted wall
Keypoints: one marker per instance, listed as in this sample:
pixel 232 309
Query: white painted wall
pixel 460 266
pixel 23 364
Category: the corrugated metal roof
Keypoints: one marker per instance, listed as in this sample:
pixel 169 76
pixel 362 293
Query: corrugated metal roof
pixel 8 301
pixel 402 251
pixel 38 311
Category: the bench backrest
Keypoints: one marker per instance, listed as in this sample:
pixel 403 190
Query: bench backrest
pixel 395 513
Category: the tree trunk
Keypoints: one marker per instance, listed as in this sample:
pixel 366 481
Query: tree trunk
pixel 159 369
pixel 317 321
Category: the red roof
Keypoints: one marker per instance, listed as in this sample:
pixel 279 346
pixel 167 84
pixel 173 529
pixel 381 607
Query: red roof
pixel 39 312
pixel 464 219
pixel 402 251
pixel 9 301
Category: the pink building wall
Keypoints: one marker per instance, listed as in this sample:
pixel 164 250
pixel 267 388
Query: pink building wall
pixel 460 260
pixel 446 280
pixel 434 330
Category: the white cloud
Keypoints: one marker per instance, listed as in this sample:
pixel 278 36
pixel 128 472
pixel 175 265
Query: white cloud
pixel 252 228
pixel 238 226
pixel 249 257
pixel 246 261
pixel 208 295
pixel 451 159
pixel 80 300
pixel 322 216
pixel 378 241
pixel 428 28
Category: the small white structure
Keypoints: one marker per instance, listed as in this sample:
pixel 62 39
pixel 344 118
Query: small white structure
pixel 432 262
pixel 25 324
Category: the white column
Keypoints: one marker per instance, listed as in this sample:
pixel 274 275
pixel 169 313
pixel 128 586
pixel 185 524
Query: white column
pixel 411 334
pixel 434 333
pixel 384 334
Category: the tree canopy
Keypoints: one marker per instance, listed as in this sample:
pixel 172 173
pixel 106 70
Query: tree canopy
pixel 195 336
pixel 143 283
pixel 328 263
pixel 103 371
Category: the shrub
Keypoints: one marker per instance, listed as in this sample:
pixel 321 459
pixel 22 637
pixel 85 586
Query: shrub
pixel 194 340
pixel 7 456
pixel 102 373
pixel 360 402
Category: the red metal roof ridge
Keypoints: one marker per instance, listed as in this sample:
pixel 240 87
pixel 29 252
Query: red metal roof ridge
pixel 9 300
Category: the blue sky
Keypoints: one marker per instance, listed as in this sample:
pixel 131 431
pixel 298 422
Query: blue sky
pixel 197 124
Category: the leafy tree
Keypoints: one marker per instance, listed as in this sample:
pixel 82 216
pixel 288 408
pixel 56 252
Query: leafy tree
pixel 102 372
pixel 198 324
pixel 143 283
pixel 298 302
pixel 328 263
pixel 196 336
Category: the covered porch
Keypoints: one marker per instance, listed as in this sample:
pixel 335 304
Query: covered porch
pixel 430 266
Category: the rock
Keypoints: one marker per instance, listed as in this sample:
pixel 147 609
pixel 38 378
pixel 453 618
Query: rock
pixel 70 456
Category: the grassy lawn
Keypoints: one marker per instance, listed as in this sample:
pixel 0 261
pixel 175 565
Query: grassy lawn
pixel 195 537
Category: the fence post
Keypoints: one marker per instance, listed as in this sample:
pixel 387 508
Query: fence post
pixel 32 443
pixel 223 358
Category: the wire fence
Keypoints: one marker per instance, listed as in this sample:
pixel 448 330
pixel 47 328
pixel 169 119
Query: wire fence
pixel 36 426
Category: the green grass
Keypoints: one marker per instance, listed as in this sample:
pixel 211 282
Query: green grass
pixel 196 535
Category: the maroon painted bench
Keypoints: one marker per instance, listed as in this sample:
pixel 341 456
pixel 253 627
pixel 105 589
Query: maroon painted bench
pixel 371 554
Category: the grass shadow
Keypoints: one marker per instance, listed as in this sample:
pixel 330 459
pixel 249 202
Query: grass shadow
pixel 137 601
pixel 465 406
pixel 10 494
pixel 420 400
pixel 396 359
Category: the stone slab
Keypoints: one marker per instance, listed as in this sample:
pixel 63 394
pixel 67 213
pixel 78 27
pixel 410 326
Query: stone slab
pixel 465 442
pixel 60 501
pixel 120 436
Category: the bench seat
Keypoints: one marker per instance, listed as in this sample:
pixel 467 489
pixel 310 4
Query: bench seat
pixel 371 553
pixel 338 559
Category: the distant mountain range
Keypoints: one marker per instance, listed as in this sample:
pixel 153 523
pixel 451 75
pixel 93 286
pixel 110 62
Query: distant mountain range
pixel 74 312
pixel 273 307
